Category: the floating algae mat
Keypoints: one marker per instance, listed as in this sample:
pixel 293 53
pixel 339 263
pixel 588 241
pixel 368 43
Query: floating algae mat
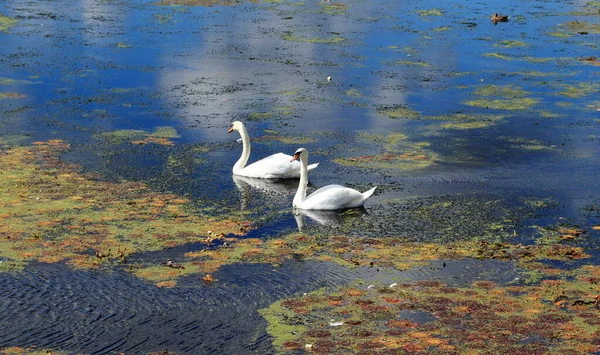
pixel 430 316
pixel 53 213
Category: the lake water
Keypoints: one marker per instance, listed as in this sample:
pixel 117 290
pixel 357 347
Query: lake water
pixel 431 102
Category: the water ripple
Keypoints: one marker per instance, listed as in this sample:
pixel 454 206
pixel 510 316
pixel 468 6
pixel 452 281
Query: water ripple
pixel 98 313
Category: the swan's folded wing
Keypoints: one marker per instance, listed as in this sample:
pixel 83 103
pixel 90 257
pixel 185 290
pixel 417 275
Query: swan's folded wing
pixel 276 166
pixel 332 197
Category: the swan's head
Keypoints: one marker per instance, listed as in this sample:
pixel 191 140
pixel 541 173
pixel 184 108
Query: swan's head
pixel 235 126
pixel 301 154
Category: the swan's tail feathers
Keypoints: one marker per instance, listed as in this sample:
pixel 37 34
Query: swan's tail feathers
pixel 368 194
pixel 312 166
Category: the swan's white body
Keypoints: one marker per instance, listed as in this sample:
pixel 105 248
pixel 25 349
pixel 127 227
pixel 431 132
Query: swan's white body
pixel 276 166
pixel 330 197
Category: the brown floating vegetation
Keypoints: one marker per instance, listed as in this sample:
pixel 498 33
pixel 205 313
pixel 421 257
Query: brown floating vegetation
pixel 558 316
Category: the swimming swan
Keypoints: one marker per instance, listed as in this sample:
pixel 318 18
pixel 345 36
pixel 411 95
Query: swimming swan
pixel 276 166
pixel 330 197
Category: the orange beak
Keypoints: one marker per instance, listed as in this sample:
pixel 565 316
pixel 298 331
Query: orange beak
pixel 295 157
pixel 230 129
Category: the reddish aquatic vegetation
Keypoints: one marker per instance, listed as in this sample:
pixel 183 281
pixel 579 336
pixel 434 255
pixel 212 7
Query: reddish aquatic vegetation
pixel 324 346
pixel 485 284
pixel 293 345
pixel 429 283
pixel 292 303
pixel 392 300
pixel 472 320
pixel 555 318
pixel 371 344
pixel 362 333
pixel 447 289
pixel 401 323
pixel 316 333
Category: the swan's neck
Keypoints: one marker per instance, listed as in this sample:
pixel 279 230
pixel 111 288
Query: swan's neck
pixel 241 163
pixel 303 184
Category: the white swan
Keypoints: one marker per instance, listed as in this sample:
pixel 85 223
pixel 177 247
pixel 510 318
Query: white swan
pixel 276 166
pixel 330 197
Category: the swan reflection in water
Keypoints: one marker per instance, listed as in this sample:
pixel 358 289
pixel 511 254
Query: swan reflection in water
pixel 327 218
pixel 281 189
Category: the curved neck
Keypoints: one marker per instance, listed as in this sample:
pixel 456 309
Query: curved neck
pixel 241 163
pixel 303 184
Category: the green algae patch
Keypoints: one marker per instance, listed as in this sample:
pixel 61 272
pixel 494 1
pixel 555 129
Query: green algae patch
pixel 539 60
pixel 452 242
pixel 442 29
pixel 581 27
pixel 290 36
pixel 404 161
pixel 483 317
pixel 511 98
pixel 53 213
pixel 283 334
pixel 511 44
pixel 6 23
pixel 467 125
pixel 398 153
pixel 333 8
pixel 287 139
pixel 353 93
pixel 396 253
pixel 163 275
pixel 579 90
pixel 515 104
pixel 431 12
pixel 411 63
pixel 11 266
pixel 526 144
pixel 559 34
pixel 463 121
pixel 497 55
pixel 505 91
pixel 398 111
pixel 206 3
pixel 161 135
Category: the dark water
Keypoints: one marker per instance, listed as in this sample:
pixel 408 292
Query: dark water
pixel 94 312
pixel 94 66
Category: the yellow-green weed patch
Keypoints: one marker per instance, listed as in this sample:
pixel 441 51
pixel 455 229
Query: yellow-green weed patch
pixel 556 315
pixel 6 23
pixel 161 135
pixel 53 213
